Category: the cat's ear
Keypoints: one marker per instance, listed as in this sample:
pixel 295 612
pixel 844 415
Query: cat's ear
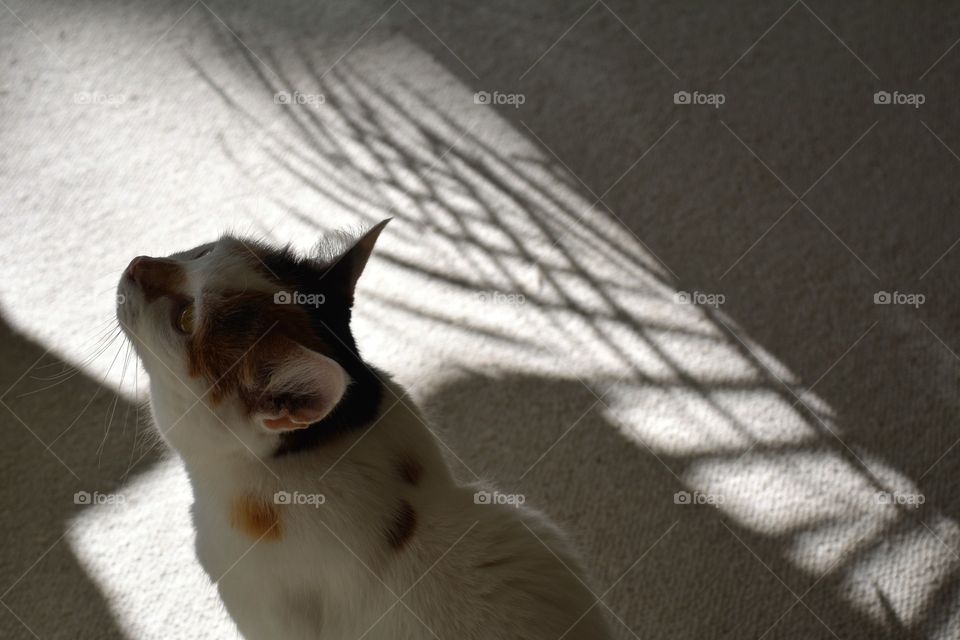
pixel 345 272
pixel 302 389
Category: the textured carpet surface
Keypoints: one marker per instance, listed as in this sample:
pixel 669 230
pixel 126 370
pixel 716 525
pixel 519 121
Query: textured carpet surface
pixel 682 274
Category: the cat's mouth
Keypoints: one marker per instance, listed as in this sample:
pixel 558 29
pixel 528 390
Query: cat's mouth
pixel 126 302
pixel 129 296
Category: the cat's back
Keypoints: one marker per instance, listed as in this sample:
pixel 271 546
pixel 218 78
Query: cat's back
pixel 490 571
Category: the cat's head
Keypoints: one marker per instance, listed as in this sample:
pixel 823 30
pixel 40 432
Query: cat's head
pixel 249 346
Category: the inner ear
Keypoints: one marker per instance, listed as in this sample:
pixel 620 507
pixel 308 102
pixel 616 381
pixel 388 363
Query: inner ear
pixel 302 387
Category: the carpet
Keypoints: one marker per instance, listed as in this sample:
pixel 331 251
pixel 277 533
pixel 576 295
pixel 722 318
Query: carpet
pixel 677 273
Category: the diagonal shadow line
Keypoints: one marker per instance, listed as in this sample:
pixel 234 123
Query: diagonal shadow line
pixel 502 187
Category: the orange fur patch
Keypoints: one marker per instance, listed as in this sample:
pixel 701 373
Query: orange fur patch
pixel 256 517
pixel 239 333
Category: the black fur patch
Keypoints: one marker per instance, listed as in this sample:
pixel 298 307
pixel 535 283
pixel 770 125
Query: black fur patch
pixel 330 323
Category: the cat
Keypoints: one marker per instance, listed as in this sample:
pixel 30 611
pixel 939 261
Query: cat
pixel 323 507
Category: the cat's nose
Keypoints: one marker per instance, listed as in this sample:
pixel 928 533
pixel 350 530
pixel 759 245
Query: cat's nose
pixel 135 267
pixel 155 276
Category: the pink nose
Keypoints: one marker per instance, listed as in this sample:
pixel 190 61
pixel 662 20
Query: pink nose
pixel 132 268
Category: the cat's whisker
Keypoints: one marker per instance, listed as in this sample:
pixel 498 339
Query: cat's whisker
pixel 116 400
pixel 93 397
pixel 136 374
pixel 69 371
pixel 102 333
pixel 143 435
pixel 67 375
pixel 145 441
pixel 107 335
pixel 98 334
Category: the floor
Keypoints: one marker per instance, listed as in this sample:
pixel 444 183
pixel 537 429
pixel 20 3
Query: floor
pixel 678 273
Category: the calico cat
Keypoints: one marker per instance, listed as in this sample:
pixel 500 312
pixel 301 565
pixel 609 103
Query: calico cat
pixel 322 505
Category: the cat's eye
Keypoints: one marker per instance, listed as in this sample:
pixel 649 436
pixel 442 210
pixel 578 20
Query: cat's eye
pixel 203 253
pixel 185 319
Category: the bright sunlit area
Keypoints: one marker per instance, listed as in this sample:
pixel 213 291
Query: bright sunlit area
pixel 680 277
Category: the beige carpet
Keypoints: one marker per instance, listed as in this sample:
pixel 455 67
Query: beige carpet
pixel 656 321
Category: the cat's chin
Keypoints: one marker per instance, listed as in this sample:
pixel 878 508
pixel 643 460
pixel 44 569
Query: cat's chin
pixel 128 309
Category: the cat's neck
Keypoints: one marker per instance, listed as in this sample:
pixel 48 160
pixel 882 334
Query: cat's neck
pixel 393 422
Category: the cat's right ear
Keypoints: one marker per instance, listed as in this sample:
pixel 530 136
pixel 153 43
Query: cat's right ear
pixel 302 389
pixel 345 272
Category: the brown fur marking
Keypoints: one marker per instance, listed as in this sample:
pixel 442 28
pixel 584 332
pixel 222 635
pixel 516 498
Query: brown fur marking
pixel 256 517
pixel 410 469
pixel 239 336
pixel 159 276
pixel 402 527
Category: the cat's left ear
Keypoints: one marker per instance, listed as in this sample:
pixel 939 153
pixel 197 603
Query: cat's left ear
pixel 345 272
pixel 302 389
